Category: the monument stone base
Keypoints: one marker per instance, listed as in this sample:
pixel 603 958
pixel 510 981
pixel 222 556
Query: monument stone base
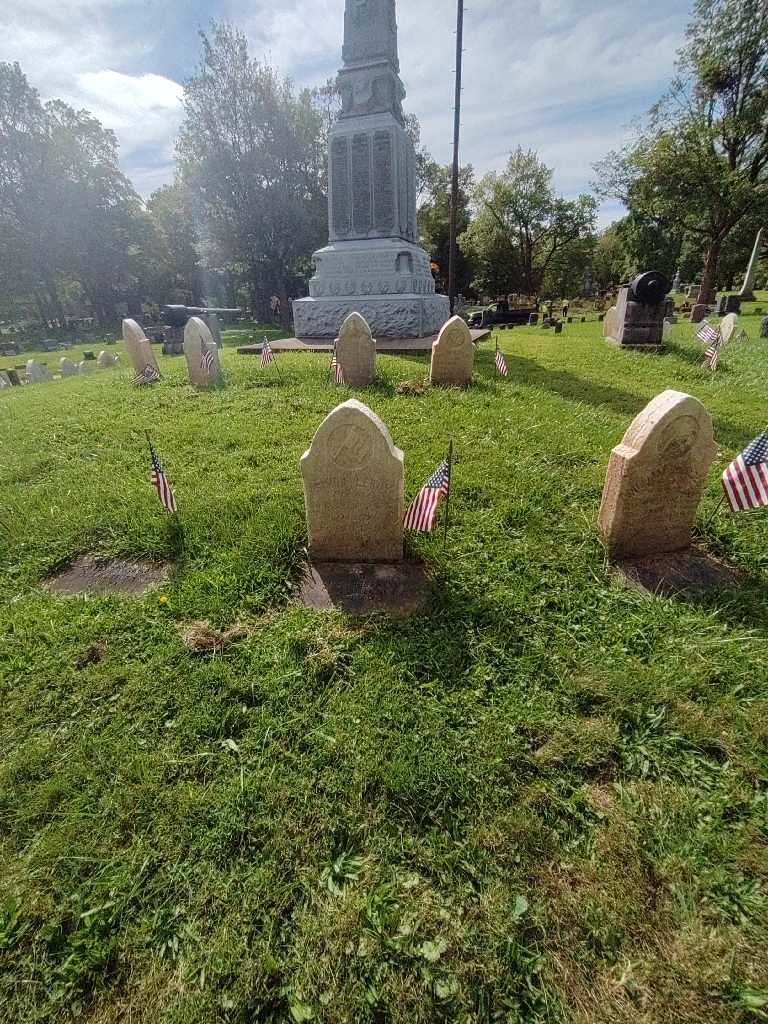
pixel 397 589
pixel 387 280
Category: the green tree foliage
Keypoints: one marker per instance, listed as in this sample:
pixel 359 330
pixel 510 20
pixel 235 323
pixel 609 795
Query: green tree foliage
pixel 609 258
pixel 67 213
pixel 252 160
pixel 178 275
pixel 434 219
pixel 522 227
pixel 701 161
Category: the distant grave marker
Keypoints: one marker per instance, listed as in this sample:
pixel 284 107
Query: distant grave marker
pixel 201 353
pixel 139 349
pixel 356 351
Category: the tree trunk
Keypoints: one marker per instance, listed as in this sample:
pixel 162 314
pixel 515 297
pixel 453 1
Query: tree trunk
pixel 708 278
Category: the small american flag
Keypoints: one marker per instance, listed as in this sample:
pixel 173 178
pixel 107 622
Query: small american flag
pixel 160 482
pixel 336 368
pixel 501 363
pixel 146 376
pixel 422 514
pixel 713 353
pixel 267 355
pixel 207 360
pixel 707 333
pixel 746 479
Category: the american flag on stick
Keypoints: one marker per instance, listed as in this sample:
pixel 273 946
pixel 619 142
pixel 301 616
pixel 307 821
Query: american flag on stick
pixel 713 353
pixel 422 514
pixel 160 482
pixel 267 355
pixel 707 333
pixel 146 376
pixel 746 479
pixel 336 368
pixel 501 362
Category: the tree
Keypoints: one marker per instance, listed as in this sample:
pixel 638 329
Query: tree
pixel 701 162
pixel 521 226
pixel 178 271
pixel 609 258
pixel 66 211
pixel 434 219
pixel 252 159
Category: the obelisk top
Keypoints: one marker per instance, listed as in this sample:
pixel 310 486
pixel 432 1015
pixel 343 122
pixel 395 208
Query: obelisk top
pixel 370 33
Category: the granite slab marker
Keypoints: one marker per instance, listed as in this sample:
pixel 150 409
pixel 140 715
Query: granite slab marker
pixel 656 478
pixel 372 264
pixel 67 368
pixel 354 489
pixel 453 355
pixel 356 352
pixel 138 347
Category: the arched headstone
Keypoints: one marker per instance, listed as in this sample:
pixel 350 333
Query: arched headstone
pixel 609 323
pixel 201 353
pixel 85 366
pixel 353 489
pixel 656 478
pixel 67 368
pixel 728 327
pixel 106 360
pixel 356 351
pixel 139 349
pixel 35 372
pixel 453 354
pixel 5 380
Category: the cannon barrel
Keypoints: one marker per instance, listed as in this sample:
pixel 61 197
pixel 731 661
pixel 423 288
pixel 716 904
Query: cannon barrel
pixel 178 315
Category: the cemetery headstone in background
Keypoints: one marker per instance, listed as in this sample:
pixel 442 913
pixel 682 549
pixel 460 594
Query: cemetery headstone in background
pixel 698 313
pixel 656 478
pixel 728 327
pixel 37 373
pixel 85 366
pixel 5 380
pixel 353 489
pixel 638 321
pixel 609 320
pixel 67 368
pixel 106 360
pixel 356 351
pixel 747 289
pixel 453 355
pixel 138 347
pixel 728 304
pixel 764 327
pixel 201 353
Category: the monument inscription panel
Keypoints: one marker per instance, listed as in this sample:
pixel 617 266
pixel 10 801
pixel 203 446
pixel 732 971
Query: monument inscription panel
pixel 340 185
pixel 383 176
pixel 361 183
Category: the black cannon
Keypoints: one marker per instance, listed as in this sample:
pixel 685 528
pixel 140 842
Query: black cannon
pixel 177 318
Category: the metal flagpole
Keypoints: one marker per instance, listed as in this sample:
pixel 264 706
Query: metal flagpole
pixel 448 495
pixel 455 175
pixel 495 359
pixel 717 509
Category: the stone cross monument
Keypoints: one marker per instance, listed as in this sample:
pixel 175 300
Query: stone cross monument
pixel 372 264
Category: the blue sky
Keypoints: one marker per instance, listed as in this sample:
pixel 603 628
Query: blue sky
pixel 564 77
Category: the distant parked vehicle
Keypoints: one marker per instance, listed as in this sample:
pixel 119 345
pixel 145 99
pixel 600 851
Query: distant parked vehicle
pixel 501 313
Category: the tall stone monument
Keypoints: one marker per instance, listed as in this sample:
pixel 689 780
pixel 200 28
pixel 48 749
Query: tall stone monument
pixel 747 293
pixel 372 264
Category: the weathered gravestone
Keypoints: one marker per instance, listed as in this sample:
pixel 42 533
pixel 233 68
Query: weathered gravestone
pixel 656 478
pixel 609 321
pixel 693 291
pixel 356 351
pixel 37 373
pixel 453 354
pixel 638 321
pixel 139 349
pixel 729 304
pixel 201 353
pixel 67 368
pixel 699 311
pixel 764 327
pixel 728 327
pixel 353 489
pixel 106 360
pixel 5 380
pixel 85 366
pixel 13 377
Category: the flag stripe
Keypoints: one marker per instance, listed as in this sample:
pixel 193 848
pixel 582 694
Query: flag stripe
pixel 746 479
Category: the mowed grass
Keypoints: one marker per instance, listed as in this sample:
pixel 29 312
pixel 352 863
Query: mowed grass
pixel 544 800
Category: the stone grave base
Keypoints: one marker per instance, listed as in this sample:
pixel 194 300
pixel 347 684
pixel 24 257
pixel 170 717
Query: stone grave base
pixel 97 576
pixel 653 349
pixel 677 572
pixel 386 346
pixel 361 588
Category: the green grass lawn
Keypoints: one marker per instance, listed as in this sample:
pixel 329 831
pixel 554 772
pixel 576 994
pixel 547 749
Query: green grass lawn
pixel 544 800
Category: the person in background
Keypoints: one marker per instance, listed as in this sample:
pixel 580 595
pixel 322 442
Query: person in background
pixel 566 305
